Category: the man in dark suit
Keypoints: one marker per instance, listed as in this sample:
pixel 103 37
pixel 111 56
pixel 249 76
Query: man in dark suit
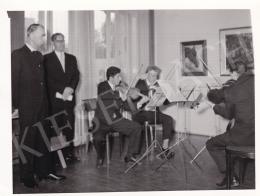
pixel 147 87
pixel 234 102
pixel 62 80
pixel 29 97
pixel 109 118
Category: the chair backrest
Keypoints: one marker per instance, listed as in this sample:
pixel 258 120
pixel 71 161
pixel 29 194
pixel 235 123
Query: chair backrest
pixel 90 104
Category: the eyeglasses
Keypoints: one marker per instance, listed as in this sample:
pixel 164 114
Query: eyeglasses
pixel 59 41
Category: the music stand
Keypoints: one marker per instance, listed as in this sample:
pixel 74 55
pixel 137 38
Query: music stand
pixel 180 135
pixel 165 88
pixel 153 144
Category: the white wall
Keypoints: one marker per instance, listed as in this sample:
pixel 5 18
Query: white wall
pixel 175 26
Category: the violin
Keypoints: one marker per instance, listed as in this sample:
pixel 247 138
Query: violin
pixel 216 96
pixel 131 92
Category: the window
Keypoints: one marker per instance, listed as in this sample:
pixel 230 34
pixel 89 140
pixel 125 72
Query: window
pixel 61 24
pixel 100 34
pixel 30 17
pixel 53 21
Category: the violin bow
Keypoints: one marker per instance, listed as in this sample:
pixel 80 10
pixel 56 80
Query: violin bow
pixel 210 72
pixel 132 82
pixel 169 73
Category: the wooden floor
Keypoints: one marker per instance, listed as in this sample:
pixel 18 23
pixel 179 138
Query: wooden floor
pixel 176 174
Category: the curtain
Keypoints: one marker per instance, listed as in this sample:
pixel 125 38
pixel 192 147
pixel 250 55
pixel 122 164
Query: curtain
pixel 132 43
pixel 81 44
pixel 130 35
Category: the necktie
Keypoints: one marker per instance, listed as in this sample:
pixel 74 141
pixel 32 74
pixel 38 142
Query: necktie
pixel 61 58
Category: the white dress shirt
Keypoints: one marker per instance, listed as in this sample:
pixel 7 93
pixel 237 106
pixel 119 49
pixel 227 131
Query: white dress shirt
pixel 30 47
pixel 61 57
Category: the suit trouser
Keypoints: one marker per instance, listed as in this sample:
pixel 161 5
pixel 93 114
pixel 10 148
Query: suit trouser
pixel 124 126
pixel 233 136
pixel 36 160
pixel 216 148
pixel 164 119
pixel 63 120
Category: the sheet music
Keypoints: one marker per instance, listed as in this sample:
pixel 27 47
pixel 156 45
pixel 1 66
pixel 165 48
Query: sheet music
pixel 157 99
pixel 171 91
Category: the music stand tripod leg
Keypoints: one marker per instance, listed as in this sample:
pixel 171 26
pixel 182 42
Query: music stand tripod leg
pixel 146 153
pixel 165 157
pixel 204 147
pixel 175 144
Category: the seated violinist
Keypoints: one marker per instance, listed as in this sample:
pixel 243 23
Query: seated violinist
pixel 147 87
pixel 109 118
pixel 234 101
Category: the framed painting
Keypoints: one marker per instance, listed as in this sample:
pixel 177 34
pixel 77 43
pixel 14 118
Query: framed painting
pixel 236 44
pixel 194 58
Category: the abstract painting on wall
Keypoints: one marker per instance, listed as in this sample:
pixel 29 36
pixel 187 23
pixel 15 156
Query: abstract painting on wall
pixel 236 44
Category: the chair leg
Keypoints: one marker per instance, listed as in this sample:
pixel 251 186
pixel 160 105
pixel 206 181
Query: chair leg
pixel 228 169
pixel 242 169
pixel 146 138
pixel 152 139
pixel 121 143
pixel 108 149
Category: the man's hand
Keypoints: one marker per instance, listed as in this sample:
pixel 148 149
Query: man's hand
pixel 142 101
pixel 15 113
pixel 67 92
pixel 123 96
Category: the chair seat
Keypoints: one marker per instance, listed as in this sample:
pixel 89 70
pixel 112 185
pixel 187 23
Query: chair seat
pixel 239 151
pixel 242 151
pixel 157 127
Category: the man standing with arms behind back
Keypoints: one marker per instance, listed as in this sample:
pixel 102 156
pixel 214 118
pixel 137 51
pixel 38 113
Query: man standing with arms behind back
pixel 62 80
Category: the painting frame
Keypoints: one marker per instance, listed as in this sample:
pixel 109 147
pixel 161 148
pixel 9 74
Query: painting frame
pixel 194 58
pixel 236 44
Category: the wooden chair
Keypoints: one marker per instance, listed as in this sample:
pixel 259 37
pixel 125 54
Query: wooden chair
pixel 151 130
pixel 244 152
pixel 109 144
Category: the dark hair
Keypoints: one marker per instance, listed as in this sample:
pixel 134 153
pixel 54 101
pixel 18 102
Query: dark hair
pixel 154 68
pixel 233 65
pixel 237 63
pixel 33 27
pixel 112 71
pixel 53 37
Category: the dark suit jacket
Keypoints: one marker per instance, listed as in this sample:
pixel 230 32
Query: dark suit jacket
pixel 109 104
pixel 240 96
pixel 225 110
pixel 57 79
pixel 240 105
pixel 28 86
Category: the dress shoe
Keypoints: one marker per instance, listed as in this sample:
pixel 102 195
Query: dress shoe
pixel 167 154
pixel 128 159
pixel 234 182
pixel 56 177
pixel 30 183
pixel 99 162
pixel 72 159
